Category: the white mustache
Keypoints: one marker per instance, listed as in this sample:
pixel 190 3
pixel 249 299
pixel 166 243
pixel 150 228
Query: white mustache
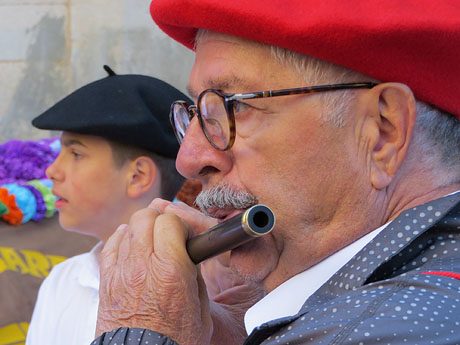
pixel 224 197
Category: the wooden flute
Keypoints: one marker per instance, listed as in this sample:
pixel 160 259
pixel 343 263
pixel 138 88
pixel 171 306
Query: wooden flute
pixel 256 221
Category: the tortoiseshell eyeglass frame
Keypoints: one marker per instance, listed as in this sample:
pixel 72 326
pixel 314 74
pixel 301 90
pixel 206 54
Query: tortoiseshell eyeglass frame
pixel 229 99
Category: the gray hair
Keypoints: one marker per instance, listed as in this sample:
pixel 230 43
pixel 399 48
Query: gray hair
pixel 224 196
pixel 320 72
pixel 437 135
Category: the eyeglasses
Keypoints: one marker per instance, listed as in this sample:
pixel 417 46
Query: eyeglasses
pixel 215 110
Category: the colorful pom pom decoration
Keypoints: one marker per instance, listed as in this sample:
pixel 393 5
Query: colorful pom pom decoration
pixel 25 192
pixel 3 209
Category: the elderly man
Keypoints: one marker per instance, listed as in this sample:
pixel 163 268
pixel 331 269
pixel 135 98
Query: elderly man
pixel 350 133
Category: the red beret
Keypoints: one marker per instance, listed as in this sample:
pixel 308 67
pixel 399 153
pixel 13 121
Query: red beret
pixel 416 42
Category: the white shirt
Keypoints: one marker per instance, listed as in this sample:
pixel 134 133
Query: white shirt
pixel 288 298
pixel 66 307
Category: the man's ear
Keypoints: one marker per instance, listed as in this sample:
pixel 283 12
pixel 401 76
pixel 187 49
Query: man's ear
pixel 394 113
pixel 142 175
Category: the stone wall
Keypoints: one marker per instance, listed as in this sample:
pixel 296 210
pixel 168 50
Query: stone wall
pixel 50 48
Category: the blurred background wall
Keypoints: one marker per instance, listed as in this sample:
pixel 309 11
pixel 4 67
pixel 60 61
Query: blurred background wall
pixel 50 48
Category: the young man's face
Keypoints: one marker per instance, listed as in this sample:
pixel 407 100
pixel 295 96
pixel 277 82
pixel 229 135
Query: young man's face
pixel 89 187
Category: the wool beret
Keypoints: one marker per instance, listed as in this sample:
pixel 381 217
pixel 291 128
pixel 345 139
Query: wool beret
pixel 414 42
pixel 129 109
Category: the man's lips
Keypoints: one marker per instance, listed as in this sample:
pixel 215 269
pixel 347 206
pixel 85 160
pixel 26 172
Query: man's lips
pixel 222 214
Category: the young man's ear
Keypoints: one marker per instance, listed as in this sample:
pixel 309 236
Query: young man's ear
pixel 142 175
pixel 393 113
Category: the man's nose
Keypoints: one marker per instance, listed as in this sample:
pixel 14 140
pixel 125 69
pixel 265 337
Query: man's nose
pixel 197 159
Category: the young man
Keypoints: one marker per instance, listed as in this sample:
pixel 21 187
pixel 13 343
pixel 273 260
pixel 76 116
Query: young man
pixel 117 154
pixel 362 172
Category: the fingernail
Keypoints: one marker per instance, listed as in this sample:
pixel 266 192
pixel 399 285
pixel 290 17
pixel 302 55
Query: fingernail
pixel 154 208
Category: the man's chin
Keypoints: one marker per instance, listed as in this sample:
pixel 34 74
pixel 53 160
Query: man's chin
pixel 250 262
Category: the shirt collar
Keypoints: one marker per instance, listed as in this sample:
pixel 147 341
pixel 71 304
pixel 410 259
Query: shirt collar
pixel 288 298
pixel 88 275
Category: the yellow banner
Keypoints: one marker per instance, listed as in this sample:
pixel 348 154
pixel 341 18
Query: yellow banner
pixel 27 262
pixel 14 334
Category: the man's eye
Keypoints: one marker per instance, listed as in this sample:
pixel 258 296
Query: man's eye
pixel 239 107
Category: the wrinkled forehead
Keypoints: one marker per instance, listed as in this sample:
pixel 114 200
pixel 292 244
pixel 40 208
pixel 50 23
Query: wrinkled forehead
pixel 233 64
pixel 223 45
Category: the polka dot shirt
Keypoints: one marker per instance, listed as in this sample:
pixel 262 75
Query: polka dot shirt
pixel 402 288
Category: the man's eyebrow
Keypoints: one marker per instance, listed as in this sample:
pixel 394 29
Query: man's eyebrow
pixel 70 141
pixel 191 93
pixel 232 84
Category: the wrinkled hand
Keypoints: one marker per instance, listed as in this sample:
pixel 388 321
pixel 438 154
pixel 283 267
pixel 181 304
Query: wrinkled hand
pixel 148 280
pixel 230 296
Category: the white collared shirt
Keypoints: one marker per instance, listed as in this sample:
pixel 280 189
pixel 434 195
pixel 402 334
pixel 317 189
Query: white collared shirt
pixel 66 308
pixel 288 298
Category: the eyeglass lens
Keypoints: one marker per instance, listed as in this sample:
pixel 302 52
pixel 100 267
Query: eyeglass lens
pixel 215 119
pixel 181 120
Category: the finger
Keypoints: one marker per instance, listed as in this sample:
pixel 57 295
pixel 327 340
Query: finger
pixel 196 219
pixel 170 236
pixel 224 259
pixel 182 206
pixel 204 300
pixel 140 231
pixel 160 204
pixel 111 250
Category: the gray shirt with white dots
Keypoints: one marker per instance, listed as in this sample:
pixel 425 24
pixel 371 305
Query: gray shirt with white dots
pixel 402 288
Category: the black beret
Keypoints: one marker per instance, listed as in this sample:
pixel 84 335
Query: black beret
pixel 129 109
